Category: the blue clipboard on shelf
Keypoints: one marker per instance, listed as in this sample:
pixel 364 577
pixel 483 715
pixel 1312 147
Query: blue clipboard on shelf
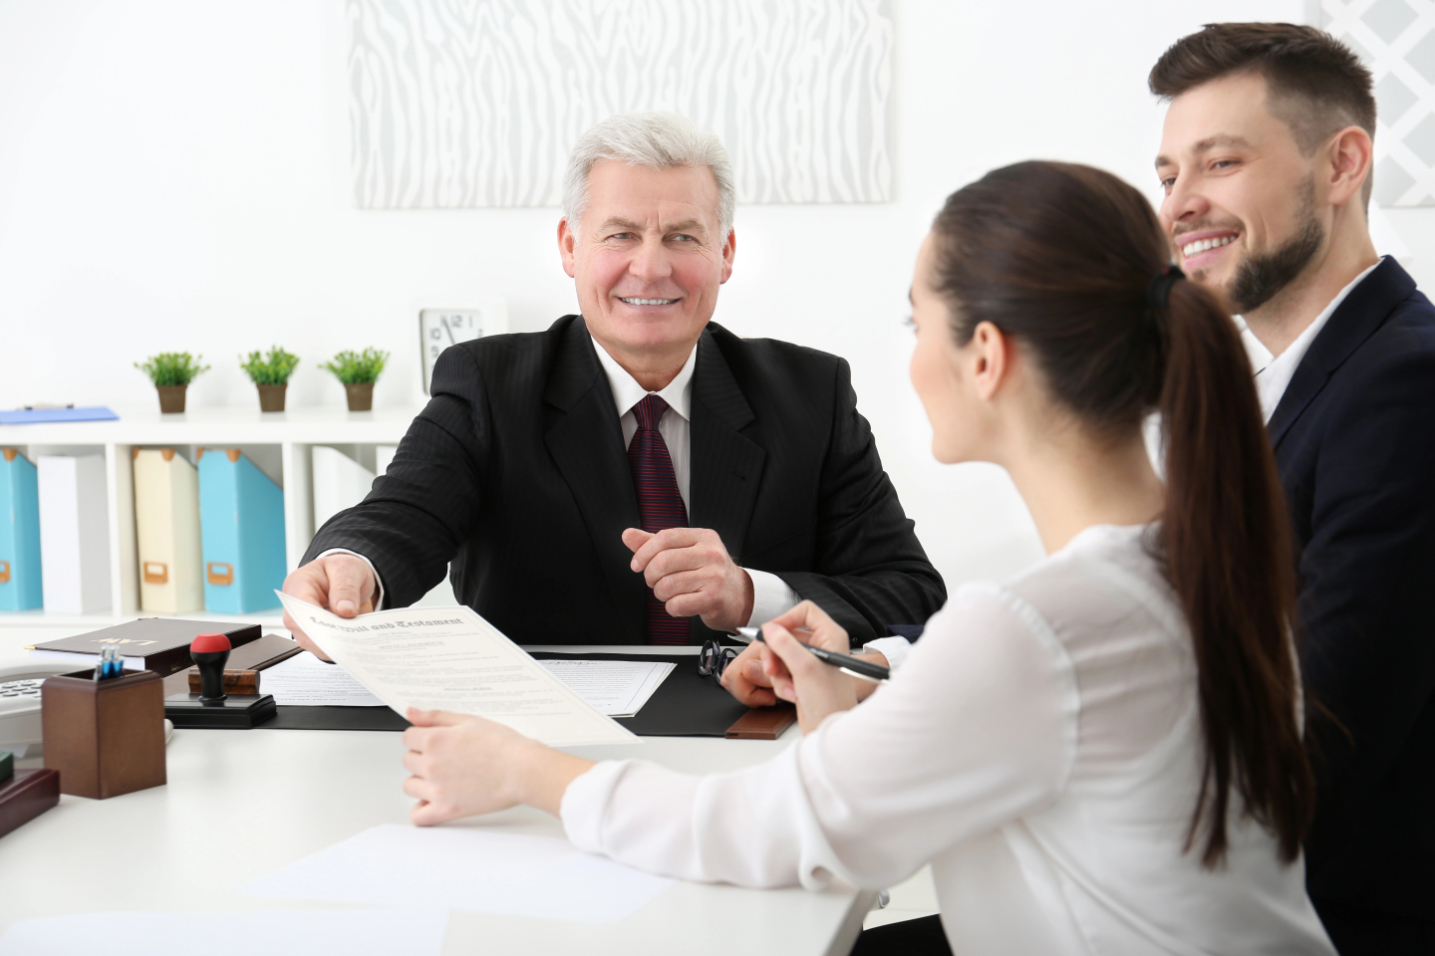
pixel 39 416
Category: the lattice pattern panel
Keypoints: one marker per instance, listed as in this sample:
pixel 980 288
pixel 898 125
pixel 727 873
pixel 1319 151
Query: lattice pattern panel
pixel 1396 40
pixel 464 103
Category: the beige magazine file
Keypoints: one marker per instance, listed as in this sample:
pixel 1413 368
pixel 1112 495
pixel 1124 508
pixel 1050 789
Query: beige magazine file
pixel 167 532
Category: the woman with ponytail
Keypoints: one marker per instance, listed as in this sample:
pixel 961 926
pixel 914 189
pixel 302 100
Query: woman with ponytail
pixel 1100 755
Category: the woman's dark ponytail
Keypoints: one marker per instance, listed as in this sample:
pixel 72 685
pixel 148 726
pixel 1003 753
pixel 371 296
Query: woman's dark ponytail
pixel 1227 552
pixel 1072 262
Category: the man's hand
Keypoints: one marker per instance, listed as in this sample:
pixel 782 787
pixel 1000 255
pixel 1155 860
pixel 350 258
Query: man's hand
pixel 746 676
pixel 751 675
pixel 817 689
pixel 341 583
pixel 463 765
pixel 691 572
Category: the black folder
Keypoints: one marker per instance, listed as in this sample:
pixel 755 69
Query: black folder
pixel 684 705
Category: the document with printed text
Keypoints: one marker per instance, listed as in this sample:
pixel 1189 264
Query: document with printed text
pixel 615 688
pixel 452 659
pixel 305 681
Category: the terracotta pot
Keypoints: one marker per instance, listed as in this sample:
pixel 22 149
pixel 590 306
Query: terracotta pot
pixel 271 397
pixel 171 398
pixel 361 396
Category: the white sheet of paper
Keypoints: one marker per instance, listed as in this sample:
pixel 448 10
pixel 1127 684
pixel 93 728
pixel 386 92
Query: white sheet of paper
pixel 469 869
pixel 306 681
pixel 615 688
pixel 449 658
pixel 353 932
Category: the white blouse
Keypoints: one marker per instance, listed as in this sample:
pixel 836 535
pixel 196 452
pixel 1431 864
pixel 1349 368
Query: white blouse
pixel 1041 749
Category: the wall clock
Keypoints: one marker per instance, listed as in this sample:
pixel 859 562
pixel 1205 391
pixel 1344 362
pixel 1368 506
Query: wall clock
pixel 442 328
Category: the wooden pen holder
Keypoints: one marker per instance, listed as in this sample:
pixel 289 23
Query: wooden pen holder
pixel 105 737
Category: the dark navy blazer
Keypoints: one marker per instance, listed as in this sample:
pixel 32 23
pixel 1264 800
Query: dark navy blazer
pixel 1354 439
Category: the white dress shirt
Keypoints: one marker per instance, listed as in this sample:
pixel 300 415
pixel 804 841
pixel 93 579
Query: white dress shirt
pixel 1042 751
pixel 1274 372
pixel 770 594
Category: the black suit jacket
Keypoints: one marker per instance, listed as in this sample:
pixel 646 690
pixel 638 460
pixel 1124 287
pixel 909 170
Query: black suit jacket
pixel 1354 439
pixel 516 473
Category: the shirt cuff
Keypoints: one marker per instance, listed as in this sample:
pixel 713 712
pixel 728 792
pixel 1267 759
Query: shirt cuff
pixel 378 584
pixel 895 649
pixel 771 596
pixel 585 802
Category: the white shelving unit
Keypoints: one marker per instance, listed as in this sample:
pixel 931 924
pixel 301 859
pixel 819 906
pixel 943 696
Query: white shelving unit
pixel 278 442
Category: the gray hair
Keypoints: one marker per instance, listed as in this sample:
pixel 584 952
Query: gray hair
pixel 654 140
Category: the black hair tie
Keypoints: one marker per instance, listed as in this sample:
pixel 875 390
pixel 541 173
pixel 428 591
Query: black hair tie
pixel 1158 290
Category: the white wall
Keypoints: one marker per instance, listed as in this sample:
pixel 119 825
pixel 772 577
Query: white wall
pixel 174 175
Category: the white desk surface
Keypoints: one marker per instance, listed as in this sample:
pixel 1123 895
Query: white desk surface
pixel 239 804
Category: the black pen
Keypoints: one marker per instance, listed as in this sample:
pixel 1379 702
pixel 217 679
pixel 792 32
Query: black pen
pixel 856 667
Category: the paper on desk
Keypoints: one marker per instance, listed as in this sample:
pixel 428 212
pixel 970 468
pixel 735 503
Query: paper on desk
pixel 305 681
pixel 615 688
pixel 466 868
pixel 449 658
pixel 353 932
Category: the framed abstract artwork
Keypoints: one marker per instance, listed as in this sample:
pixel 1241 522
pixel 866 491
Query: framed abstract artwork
pixel 476 103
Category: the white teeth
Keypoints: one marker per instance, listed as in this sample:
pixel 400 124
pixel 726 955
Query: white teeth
pixel 632 301
pixel 1193 248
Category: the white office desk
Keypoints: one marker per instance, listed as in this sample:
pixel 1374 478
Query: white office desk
pixel 242 803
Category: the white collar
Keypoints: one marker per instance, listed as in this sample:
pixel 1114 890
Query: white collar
pixel 1262 356
pixel 627 392
pixel 1274 372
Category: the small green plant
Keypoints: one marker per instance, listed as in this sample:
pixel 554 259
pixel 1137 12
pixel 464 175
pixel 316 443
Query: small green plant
pixel 357 368
pixel 172 368
pixel 273 369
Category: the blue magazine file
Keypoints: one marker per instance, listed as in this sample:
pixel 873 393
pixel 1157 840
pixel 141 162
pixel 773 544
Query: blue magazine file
pixel 241 530
pixel 20 583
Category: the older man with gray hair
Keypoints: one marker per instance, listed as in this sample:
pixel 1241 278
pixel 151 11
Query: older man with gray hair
pixel 636 474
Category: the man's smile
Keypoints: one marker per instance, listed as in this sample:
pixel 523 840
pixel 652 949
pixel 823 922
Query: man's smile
pixel 634 300
pixel 1199 250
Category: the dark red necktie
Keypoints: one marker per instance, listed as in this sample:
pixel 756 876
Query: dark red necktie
pixel 659 505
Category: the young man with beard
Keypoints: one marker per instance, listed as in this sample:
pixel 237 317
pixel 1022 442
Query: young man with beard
pixel 1266 162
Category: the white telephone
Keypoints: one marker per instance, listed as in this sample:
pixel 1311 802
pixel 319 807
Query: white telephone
pixel 20 704
pixel 20 730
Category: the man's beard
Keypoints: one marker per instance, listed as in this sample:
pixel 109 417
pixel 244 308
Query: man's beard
pixel 1259 277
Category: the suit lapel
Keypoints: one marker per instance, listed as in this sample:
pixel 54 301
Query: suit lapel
pixel 586 442
pixel 726 466
pixel 1364 310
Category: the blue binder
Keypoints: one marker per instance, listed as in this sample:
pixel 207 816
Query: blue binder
pixel 241 530
pixel 20 585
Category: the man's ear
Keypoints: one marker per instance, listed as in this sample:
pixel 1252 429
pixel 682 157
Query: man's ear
pixel 1349 159
pixel 566 239
pixel 990 356
pixel 729 250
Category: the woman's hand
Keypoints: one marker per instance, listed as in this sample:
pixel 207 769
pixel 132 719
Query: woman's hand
pixel 817 689
pixel 749 676
pixel 464 765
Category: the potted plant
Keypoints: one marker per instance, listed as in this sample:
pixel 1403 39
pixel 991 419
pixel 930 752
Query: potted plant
pixel 171 373
pixel 358 371
pixel 270 374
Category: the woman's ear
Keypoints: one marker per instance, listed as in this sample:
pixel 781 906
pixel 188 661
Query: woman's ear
pixel 989 359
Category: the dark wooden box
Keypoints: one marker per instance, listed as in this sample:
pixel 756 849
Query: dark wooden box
pixel 25 796
pixel 104 737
